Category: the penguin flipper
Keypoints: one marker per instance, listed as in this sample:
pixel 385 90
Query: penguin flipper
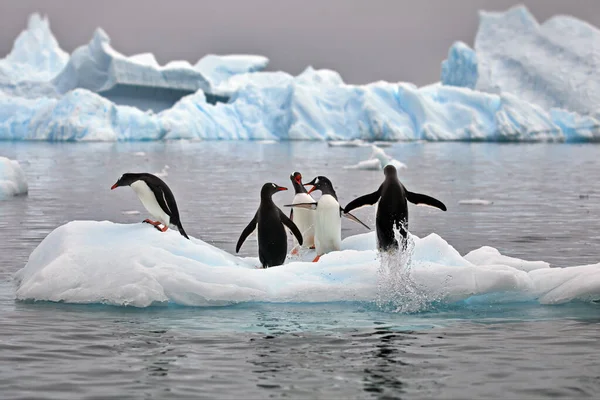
pixel 418 199
pixel 366 200
pixel 308 206
pixel 292 227
pixel 292 214
pixel 245 233
pixel 353 218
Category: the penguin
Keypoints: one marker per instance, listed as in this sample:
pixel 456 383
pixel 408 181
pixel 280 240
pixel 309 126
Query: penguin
pixel 270 221
pixel 328 218
pixel 304 219
pixel 392 211
pixel 156 197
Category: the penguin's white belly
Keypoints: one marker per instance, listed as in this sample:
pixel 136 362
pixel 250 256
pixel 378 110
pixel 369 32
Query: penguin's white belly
pixel 305 220
pixel 328 225
pixel 148 199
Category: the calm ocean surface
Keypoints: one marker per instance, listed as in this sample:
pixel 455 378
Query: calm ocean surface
pixel 546 206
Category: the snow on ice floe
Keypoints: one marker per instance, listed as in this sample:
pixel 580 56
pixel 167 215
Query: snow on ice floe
pixel 553 65
pixel 135 265
pixel 12 178
pixel 379 159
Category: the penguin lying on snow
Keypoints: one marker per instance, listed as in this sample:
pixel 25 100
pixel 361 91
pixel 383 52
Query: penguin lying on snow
pixel 156 197
pixel 304 219
pixel 392 210
pixel 328 218
pixel 270 221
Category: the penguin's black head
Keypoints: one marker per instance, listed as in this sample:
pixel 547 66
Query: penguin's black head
pixel 269 189
pixel 390 171
pixel 296 179
pixel 126 180
pixel 323 184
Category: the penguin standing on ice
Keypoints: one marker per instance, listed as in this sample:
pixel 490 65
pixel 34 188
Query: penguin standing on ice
pixel 392 211
pixel 156 197
pixel 303 218
pixel 328 218
pixel 270 221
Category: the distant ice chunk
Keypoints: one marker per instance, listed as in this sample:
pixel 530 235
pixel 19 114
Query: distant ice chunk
pixel 12 178
pixel 490 256
pixel 475 202
pixel 347 143
pixel 35 56
pixel 378 161
pixel 146 267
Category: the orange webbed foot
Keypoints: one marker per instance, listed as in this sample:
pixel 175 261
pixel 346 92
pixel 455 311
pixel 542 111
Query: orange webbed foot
pixel 316 258
pixel 164 229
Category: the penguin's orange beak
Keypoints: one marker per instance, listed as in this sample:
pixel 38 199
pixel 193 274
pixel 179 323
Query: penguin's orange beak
pixel 281 188
pixel 311 189
pixel 116 185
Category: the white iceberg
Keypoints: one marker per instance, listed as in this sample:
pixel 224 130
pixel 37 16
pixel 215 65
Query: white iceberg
pixel 101 94
pixel 552 65
pixel 12 178
pixel 475 202
pixel 35 56
pixel 135 265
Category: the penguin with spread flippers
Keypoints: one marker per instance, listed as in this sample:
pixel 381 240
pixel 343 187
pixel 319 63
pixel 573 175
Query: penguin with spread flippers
pixel 303 218
pixel 328 216
pixel 269 220
pixel 156 197
pixel 392 210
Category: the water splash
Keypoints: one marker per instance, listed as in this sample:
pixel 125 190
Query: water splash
pixel 397 291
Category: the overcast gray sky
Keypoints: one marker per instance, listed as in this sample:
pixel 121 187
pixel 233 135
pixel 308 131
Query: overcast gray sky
pixel 394 40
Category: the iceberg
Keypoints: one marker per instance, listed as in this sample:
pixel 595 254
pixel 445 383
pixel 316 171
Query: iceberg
pixel 100 94
pixel 145 267
pixel 12 178
pixel 552 65
pixel 316 105
pixel 35 56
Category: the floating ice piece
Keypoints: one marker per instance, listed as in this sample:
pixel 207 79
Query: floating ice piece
pixel 379 159
pixel 131 212
pixel 476 202
pixel 139 154
pixel 554 64
pixel 146 267
pixel 164 172
pixel 347 143
pixel 12 178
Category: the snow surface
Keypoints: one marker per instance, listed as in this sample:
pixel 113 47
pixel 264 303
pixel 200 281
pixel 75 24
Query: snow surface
pixel 475 202
pixel 553 65
pixel 12 178
pixel 135 265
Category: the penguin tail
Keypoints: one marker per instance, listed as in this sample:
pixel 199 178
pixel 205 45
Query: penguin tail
pixel 182 231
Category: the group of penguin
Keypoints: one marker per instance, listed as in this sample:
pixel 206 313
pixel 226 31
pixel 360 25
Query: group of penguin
pixel 314 224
